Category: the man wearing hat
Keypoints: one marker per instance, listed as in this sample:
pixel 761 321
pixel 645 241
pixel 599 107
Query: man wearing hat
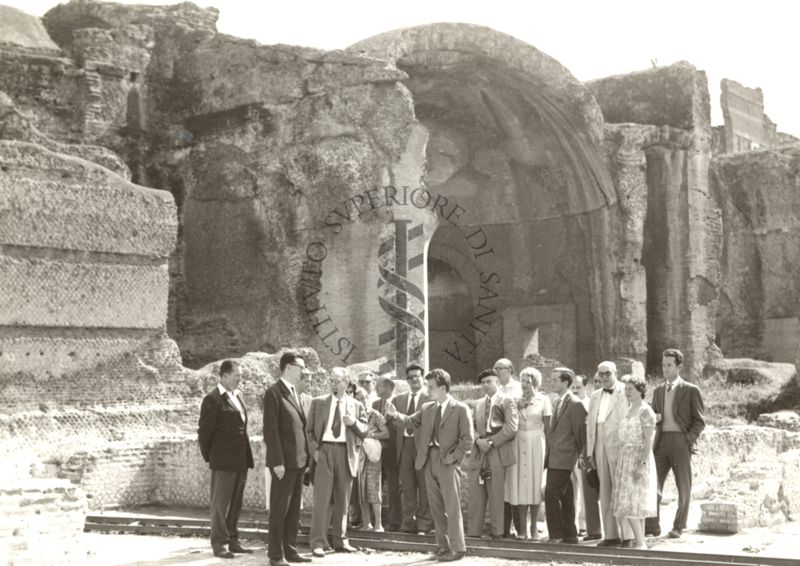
pixel 607 409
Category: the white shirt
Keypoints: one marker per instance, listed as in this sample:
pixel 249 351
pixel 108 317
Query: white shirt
pixel 415 397
pixel 605 401
pixel 292 390
pixel 234 397
pixel 372 397
pixel 493 422
pixel 561 404
pixel 441 408
pixel 328 435
pixel 511 389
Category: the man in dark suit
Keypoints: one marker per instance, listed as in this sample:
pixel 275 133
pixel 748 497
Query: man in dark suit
pixel 413 494
pixel 679 421
pixel 444 429
pixel 496 423
pixel 287 458
pixel 389 470
pixel 565 443
pixel 224 444
pixel 336 425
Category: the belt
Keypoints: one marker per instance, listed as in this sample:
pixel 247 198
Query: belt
pixel 334 443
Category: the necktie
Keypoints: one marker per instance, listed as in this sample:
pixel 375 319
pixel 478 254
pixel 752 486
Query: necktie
pixel 558 408
pixel 606 390
pixel 669 387
pixel 487 412
pixel 336 426
pixel 411 405
pixel 436 422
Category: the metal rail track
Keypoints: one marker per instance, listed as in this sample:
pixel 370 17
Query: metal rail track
pixel 404 542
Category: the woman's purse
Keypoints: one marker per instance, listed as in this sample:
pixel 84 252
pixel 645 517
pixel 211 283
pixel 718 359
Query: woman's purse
pixel 372 448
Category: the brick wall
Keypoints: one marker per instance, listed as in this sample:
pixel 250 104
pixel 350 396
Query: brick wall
pixel 41 521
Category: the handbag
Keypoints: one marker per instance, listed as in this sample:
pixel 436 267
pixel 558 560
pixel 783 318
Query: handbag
pixel 372 448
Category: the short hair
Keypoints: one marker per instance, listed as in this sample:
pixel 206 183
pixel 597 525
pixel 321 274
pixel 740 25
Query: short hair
pixel 350 387
pixel 582 378
pixel 440 377
pixel 369 373
pixel 506 362
pixel 534 374
pixel 412 367
pixel 486 373
pixel 638 382
pixel 288 358
pixel 386 381
pixel 673 353
pixel 360 391
pixel 227 367
pixel 565 375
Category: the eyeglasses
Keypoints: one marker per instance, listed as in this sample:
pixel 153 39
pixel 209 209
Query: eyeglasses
pixel 604 373
pixel 498 368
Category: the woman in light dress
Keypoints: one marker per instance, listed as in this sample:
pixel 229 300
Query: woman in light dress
pixel 369 472
pixel 635 499
pixel 523 487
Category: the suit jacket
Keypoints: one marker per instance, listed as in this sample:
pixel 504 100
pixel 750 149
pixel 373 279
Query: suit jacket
pixel 687 408
pixel 505 411
pixel 389 445
pixel 455 431
pixel 222 434
pixel 567 438
pixel 617 409
pixel 318 420
pixel 401 403
pixel 284 428
pixel 305 403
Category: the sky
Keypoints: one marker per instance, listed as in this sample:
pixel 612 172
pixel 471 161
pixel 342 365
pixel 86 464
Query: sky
pixel 756 43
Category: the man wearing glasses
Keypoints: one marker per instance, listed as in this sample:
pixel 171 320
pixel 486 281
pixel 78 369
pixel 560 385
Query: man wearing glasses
pixel 287 458
pixel 508 386
pixel 607 409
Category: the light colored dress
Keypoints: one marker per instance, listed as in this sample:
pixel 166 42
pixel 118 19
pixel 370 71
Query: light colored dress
pixel 636 496
pixel 524 479
pixel 369 473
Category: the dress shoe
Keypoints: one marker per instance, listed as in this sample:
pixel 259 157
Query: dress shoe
pixel 592 537
pixel 609 542
pixel 552 541
pixel 346 547
pixel 451 556
pixel 569 540
pixel 626 543
pixel 297 559
pixel 236 548
pixel 439 552
pixel 318 553
pixel 654 533
pixel 582 533
pixel 278 562
pixel 675 533
pixel 223 553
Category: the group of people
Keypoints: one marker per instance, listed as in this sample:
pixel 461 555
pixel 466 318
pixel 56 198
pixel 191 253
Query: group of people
pixel 607 453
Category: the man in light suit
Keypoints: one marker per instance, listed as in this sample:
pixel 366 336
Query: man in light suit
pixel 413 494
pixel 678 406
pixel 496 421
pixel 336 426
pixel 444 428
pixel 607 409
pixel 287 458
pixel 565 444
pixel 225 445
pixel 586 496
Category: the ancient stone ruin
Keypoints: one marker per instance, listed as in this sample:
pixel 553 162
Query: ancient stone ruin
pixel 171 196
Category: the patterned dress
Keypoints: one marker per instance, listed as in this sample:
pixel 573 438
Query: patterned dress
pixel 636 496
pixel 524 479
pixel 369 473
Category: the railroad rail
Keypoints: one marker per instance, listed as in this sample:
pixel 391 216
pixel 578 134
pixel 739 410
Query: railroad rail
pixel 404 542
